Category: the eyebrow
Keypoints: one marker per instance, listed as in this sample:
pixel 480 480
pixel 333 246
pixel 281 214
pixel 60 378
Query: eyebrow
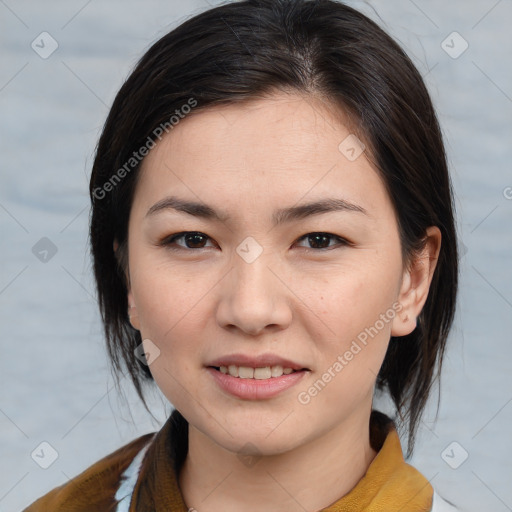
pixel 280 216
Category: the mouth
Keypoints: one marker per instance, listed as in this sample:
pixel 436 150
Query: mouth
pixel 256 378
pixel 258 373
pixel 262 367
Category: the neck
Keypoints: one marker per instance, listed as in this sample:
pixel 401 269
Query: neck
pixel 310 477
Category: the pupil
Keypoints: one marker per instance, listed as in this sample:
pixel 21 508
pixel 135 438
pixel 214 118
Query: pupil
pixel 194 238
pixel 315 239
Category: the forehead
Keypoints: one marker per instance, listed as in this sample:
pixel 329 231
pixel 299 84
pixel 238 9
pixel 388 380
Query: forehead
pixel 278 131
pixel 284 147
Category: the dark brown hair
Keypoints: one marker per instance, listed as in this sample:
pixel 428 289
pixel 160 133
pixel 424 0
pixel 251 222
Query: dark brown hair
pixel 249 49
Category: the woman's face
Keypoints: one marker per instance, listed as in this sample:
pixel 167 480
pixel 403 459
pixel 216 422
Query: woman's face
pixel 256 285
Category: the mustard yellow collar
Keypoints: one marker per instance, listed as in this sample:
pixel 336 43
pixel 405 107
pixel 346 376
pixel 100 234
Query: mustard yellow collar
pixel 389 485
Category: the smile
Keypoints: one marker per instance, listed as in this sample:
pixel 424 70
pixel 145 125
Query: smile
pixel 255 383
pixel 246 372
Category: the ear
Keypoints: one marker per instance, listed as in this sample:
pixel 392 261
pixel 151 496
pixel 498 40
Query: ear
pixel 416 284
pixel 132 309
pixel 132 312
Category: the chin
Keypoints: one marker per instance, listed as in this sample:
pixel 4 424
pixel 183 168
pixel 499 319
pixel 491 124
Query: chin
pixel 257 438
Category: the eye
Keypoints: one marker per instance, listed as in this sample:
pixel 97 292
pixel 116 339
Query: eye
pixel 320 241
pixel 192 240
pixel 197 240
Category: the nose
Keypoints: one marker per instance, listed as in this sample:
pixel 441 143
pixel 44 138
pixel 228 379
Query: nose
pixel 254 298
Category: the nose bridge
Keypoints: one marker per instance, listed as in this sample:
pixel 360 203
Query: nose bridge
pixel 253 277
pixel 251 260
pixel 253 297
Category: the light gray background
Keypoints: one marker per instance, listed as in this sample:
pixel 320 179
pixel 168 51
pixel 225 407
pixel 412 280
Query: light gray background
pixel 55 382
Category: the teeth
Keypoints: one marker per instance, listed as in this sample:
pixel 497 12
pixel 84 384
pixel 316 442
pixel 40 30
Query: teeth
pixel 263 373
pixel 277 371
pixel 246 372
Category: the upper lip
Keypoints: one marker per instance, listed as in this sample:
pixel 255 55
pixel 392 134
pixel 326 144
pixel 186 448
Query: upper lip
pixel 256 361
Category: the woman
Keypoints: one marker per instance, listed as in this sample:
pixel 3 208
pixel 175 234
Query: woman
pixel 273 239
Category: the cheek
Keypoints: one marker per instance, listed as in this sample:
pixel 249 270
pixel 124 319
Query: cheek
pixel 351 302
pixel 174 328
pixel 356 312
pixel 168 299
pixel 172 309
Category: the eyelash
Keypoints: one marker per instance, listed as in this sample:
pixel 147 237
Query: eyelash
pixel 170 240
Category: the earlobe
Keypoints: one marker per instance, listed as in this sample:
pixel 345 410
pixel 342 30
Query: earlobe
pixel 132 313
pixel 416 284
pixel 402 324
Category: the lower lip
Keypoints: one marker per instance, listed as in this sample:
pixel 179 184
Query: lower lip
pixel 255 389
